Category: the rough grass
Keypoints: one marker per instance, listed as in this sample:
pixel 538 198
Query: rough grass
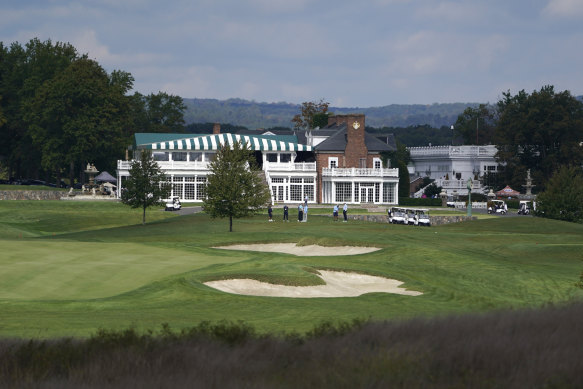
pixel 70 268
pixel 511 349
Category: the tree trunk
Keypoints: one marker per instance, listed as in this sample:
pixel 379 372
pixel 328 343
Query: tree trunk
pixel 230 223
pixel 144 215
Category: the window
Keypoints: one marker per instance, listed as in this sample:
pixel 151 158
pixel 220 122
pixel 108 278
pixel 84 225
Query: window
pixel 200 187
pixel 271 157
pixel 179 156
pixel 189 188
pixel 389 192
pixel 343 192
pixel 210 156
pixel 195 156
pixel 285 157
pixel 332 162
pixel 377 163
pixel 160 156
pixel 362 163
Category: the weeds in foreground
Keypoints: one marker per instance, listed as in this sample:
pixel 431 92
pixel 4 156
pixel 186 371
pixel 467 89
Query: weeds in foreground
pixel 516 349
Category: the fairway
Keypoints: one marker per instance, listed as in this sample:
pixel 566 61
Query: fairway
pixel 70 268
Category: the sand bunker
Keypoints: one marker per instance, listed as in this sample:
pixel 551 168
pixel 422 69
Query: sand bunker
pixel 338 284
pixel 304 251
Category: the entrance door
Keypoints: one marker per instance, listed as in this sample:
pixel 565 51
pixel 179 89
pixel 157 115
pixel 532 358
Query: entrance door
pixel 367 194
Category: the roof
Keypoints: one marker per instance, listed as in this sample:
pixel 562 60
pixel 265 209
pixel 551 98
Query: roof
pixel 337 140
pixel 105 177
pixel 214 141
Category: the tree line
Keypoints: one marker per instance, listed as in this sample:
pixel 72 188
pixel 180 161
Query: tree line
pixel 60 110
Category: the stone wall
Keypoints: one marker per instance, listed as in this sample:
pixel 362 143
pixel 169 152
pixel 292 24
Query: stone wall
pixel 435 220
pixel 31 194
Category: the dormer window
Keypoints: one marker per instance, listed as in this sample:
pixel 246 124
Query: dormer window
pixel 332 162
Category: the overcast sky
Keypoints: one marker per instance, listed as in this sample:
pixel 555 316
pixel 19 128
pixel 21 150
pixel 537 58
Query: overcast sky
pixel 350 53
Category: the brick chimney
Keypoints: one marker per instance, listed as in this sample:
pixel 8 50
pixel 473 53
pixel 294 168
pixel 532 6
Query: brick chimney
pixel 355 145
pixel 217 128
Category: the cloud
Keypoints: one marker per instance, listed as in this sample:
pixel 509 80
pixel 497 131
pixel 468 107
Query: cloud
pixel 564 8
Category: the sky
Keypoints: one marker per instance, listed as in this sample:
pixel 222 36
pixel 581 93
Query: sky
pixel 365 53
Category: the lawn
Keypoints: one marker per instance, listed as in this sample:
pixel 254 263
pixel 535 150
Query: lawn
pixel 70 268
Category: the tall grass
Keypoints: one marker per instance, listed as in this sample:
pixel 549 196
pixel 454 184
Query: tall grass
pixel 503 349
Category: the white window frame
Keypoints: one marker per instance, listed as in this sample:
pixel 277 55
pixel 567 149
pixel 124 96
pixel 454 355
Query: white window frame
pixel 374 162
pixel 332 160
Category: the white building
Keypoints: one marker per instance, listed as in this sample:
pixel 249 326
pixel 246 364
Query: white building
pixel 452 166
pixel 337 164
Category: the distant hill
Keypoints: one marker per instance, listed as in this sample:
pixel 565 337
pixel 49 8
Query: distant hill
pixel 255 115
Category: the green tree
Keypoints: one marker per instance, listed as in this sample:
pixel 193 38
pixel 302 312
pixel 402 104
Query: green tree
pixel 313 114
pixel 146 186
pixel 399 159
pixel 159 112
pixel 78 116
pixel 541 132
pixel 563 196
pixel 476 126
pixel 235 186
pixel 23 70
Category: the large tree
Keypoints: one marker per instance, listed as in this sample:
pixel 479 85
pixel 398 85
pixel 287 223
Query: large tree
pixel 158 112
pixel 541 132
pixel 313 114
pixel 399 159
pixel 563 196
pixel 476 125
pixel 78 116
pixel 23 70
pixel 146 186
pixel 235 186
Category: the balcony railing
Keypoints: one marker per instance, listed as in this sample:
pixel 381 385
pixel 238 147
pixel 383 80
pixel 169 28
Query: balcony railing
pixel 453 151
pixel 170 165
pixel 289 166
pixel 359 172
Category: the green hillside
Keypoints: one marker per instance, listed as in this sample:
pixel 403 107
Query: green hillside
pixel 254 115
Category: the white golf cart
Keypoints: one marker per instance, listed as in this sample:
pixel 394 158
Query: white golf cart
pixel 422 217
pixel 173 204
pixel 526 207
pixel 410 217
pixel 497 207
pixel 396 215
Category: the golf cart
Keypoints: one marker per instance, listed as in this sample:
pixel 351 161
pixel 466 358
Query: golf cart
pixel 497 206
pixel 525 207
pixel 173 204
pixel 422 217
pixel 410 217
pixel 396 215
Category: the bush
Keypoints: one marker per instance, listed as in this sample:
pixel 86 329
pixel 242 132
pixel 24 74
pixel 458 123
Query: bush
pixel 419 202
pixel 563 197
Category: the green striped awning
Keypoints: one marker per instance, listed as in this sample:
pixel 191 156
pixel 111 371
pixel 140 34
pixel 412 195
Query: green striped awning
pixel 213 142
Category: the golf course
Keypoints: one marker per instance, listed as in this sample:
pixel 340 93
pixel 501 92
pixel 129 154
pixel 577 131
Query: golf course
pixel 72 268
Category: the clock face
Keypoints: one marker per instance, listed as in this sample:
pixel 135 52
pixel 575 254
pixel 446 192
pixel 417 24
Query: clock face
pixel 356 125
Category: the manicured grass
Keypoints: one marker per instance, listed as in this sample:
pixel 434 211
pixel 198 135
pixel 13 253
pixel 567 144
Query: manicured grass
pixel 69 268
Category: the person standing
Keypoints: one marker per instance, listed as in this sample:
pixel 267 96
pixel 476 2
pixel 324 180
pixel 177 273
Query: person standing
pixel 285 213
pixel 335 212
pixel 300 213
pixel 345 212
pixel 306 212
pixel 270 212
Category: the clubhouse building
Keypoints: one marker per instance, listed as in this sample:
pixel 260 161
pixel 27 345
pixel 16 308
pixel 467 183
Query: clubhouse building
pixel 335 164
